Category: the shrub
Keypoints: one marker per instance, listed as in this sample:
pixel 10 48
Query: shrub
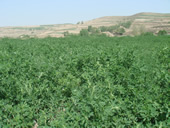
pixel 126 24
pixel 66 33
pixel 113 28
pixel 120 31
pixel 90 29
pixel 84 32
pixel 93 30
pixel 162 32
pixel 147 34
pixel 103 28
pixel 109 28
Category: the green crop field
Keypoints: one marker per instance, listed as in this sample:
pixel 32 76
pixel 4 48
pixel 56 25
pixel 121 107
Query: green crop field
pixel 85 82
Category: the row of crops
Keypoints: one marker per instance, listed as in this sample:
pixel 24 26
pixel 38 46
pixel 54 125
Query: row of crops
pixel 80 82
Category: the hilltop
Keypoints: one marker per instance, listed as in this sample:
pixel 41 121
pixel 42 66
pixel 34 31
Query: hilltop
pixel 141 22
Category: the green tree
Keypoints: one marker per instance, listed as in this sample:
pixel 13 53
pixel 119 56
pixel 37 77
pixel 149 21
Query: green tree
pixel 84 32
pixel 90 29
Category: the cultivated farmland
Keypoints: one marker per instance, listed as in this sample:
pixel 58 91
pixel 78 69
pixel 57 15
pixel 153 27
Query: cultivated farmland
pixel 85 82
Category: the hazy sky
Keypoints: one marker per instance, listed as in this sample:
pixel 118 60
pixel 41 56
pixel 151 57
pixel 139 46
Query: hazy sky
pixel 36 12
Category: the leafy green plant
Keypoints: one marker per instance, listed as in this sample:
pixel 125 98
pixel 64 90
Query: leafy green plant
pixel 78 81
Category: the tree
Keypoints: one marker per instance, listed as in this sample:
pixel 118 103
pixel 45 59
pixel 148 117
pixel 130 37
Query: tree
pixel 84 32
pixel 90 29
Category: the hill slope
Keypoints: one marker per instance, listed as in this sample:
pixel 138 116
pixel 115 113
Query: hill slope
pixel 141 22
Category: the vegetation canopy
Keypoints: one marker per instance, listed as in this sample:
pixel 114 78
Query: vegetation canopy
pixel 81 82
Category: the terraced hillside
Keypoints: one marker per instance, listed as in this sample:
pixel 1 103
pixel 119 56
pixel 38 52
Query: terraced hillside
pixel 141 22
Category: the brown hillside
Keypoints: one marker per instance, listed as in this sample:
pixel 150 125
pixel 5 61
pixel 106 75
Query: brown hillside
pixel 141 22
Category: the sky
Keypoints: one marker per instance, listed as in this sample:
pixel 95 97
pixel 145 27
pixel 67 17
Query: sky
pixel 42 12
